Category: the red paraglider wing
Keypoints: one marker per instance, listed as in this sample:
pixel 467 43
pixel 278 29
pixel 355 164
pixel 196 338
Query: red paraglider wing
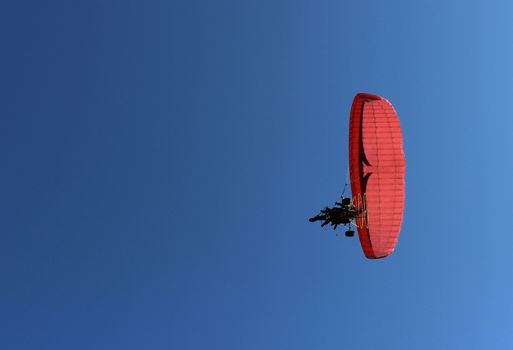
pixel 377 168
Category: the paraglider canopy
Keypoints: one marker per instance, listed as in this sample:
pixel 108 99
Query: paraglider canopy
pixel 377 170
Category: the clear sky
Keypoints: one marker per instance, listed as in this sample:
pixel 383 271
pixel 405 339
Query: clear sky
pixel 160 159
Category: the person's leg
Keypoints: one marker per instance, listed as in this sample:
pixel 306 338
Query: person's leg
pixel 317 218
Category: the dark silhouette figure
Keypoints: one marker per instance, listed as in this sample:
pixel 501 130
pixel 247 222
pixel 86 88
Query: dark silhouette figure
pixel 341 214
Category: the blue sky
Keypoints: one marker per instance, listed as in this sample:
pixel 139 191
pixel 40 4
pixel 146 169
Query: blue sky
pixel 160 161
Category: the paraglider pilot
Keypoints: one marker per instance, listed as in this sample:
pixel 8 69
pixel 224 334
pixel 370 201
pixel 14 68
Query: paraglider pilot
pixel 341 214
